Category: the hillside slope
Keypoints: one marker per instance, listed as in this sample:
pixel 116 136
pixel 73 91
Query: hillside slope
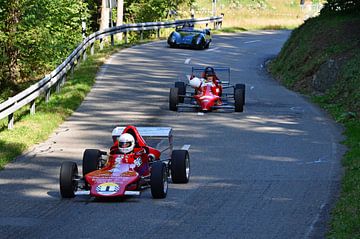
pixel 322 59
pixel 323 56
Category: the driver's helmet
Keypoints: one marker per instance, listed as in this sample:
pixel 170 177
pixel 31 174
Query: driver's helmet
pixel 126 143
pixel 209 71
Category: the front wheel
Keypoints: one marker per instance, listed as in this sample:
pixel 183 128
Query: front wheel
pixel 180 166
pixel 173 98
pixel 182 90
pixel 207 45
pixel 159 180
pixel 239 100
pixel 68 179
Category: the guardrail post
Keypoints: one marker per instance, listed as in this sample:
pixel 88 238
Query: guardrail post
pixel 84 55
pixel 72 69
pixel 32 107
pixel 126 37
pixel 101 44
pixel 47 95
pixel 58 84
pixel 11 121
pixel 77 61
pixel 63 79
pixel 92 49
pixel 141 35
pixel 158 33
pixel 112 39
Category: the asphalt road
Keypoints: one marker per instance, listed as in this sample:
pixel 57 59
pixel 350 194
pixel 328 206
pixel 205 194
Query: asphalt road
pixel 269 172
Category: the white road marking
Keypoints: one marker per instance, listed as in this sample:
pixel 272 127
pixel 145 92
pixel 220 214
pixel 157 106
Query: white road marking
pixel 186 147
pixel 317 217
pixel 187 61
pixel 200 113
pixel 247 42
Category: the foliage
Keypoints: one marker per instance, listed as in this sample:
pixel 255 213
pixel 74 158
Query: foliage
pixel 36 35
pixel 151 10
pixel 334 6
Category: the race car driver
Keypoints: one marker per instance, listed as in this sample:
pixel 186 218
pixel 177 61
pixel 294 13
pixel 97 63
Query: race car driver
pixel 125 145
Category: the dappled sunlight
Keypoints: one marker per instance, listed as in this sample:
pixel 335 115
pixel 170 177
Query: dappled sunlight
pixel 275 158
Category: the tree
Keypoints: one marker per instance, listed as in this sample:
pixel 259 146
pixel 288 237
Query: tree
pixel 333 6
pixel 36 35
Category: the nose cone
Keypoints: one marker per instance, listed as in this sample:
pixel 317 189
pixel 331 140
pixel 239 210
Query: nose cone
pixel 207 104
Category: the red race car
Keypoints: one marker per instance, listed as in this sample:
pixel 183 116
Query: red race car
pixel 208 91
pixel 130 166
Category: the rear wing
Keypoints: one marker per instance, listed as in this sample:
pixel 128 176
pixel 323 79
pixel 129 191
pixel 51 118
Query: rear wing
pixel 223 73
pixel 158 132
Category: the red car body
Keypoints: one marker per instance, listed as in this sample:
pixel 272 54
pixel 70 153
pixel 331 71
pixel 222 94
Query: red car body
pixel 122 172
pixel 207 91
pixel 208 95
pixel 117 174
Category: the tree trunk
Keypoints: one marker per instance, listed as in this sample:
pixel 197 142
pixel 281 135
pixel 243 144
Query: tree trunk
pixel 120 16
pixel 11 50
pixel 104 20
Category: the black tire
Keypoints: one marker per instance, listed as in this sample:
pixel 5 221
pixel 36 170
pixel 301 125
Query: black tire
pixel 182 90
pixel 180 166
pixel 68 182
pixel 207 45
pixel 239 100
pixel 241 86
pixel 173 99
pixel 159 180
pixel 91 160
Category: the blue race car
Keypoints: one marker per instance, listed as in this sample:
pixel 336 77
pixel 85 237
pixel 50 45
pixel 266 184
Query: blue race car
pixel 189 37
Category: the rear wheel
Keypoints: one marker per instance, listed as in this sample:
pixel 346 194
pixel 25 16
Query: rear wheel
pixel 173 98
pixel 68 179
pixel 180 166
pixel 241 86
pixel 91 160
pixel 182 90
pixel 158 180
pixel 239 100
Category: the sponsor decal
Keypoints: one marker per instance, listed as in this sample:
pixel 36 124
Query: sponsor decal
pixel 129 174
pixel 107 188
pixel 138 161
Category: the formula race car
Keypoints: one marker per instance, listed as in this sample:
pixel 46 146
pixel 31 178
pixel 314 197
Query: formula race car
pixel 189 37
pixel 208 92
pixel 130 166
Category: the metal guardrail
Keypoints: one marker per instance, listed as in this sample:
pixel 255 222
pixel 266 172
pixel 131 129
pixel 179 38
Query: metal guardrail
pixel 58 76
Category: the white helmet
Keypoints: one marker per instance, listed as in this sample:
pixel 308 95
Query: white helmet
pixel 195 82
pixel 126 143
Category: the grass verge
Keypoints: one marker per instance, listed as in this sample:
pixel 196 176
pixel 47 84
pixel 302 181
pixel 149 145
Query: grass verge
pixel 322 59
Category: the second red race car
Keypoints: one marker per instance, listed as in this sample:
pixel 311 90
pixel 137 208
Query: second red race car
pixel 208 92
pixel 130 167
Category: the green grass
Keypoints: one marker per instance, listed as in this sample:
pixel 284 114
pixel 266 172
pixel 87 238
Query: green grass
pixel 254 14
pixel 311 45
pixel 32 129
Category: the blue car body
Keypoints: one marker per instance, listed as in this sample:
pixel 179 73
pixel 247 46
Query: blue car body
pixel 190 37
